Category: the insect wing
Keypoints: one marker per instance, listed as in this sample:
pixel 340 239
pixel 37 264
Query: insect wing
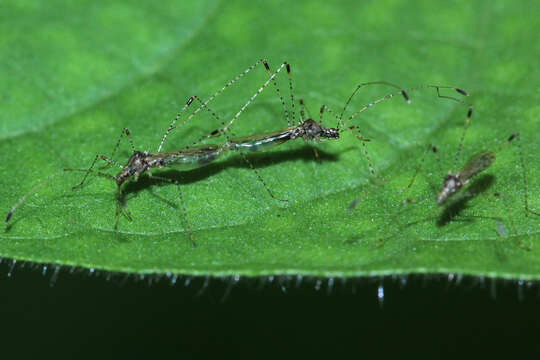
pixel 476 164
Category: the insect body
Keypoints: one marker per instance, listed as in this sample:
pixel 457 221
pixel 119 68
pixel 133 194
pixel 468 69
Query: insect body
pixel 453 182
pixel 193 157
pixel 199 156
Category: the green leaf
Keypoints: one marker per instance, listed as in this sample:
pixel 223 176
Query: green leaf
pixel 76 74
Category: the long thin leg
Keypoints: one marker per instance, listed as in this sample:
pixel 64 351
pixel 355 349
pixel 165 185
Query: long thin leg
pixel 508 211
pixel 43 182
pixel 404 93
pixel 215 116
pixel 356 133
pixel 222 131
pixel 293 123
pixel 120 208
pixel 508 221
pixel 203 105
pixel 217 93
pixel 435 152
pixel 226 126
pixel 285 111
pixel 185 215
pixel 128 134
pixel 252 98
pixel 433 148
pixel 403 204
pixel 523 170
pixel 101 157
pixel 216 132
pixel 183 204
pixel 125 131
pixel 302 112
pixel 110 161
pixel 518 240
pixel 465 127
pixel 329 111
pixel 172 126
pixel 358 88
pixel 260 178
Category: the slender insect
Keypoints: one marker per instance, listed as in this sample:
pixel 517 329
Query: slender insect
pixel 197 155
pixel 310 130
pixel 454 181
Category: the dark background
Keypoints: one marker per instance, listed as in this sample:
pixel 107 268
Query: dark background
pixel 486 46
pixel 77 314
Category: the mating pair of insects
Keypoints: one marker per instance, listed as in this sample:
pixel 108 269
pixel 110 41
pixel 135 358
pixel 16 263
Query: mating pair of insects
pixel 199 154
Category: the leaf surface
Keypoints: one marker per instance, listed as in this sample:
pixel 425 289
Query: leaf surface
pixel 71 85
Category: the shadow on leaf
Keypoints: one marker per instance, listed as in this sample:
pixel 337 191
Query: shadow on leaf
pixel 453 210
pixel 306 153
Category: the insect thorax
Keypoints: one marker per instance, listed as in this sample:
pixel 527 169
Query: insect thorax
pixel 136 165
pixel 450 186
pixel 311 130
